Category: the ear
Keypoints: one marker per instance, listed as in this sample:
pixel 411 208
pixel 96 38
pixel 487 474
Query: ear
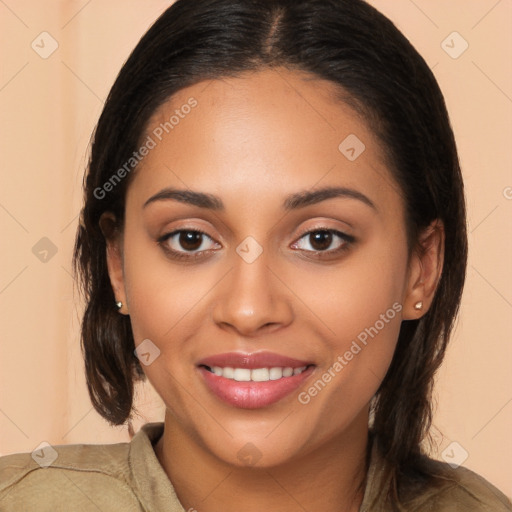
pixel 114 240
pixel 424 271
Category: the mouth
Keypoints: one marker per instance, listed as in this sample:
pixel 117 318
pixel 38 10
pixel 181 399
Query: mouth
pixel 252 381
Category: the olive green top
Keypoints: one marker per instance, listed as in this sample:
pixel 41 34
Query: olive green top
pixel 128 477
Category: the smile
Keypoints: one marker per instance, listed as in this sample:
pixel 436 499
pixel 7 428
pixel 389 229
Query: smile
pixel 253 381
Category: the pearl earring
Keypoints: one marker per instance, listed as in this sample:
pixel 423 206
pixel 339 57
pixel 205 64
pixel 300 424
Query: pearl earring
pixel 418 305
pixel 119 304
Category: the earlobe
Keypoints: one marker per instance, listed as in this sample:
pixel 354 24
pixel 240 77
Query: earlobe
pixel 114 257
pixel 425 268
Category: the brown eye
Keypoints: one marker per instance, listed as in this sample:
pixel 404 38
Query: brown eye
pixel 321 239
pixel 190 240
pixel 185 243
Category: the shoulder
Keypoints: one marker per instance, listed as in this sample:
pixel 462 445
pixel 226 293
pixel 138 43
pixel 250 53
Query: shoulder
pixel 91 477
pixel 428 485
pixel 459 489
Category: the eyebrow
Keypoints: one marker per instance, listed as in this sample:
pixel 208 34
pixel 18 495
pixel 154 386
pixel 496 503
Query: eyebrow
pixel 292 202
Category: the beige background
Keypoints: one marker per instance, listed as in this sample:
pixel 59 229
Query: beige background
pixel 49 109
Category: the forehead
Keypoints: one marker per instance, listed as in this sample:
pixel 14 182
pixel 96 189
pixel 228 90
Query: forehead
pixel 262 134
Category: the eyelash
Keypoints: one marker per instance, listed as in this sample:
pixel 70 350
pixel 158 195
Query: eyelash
pixel 192 256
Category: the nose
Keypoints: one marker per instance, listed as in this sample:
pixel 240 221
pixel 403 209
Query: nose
pixel 253 299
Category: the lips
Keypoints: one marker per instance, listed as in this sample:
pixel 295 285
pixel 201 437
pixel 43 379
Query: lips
pixel 251 381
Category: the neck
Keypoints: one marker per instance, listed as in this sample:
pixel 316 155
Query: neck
pixel 330 477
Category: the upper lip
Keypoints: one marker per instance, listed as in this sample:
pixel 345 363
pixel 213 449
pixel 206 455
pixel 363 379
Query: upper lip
pixel 252 361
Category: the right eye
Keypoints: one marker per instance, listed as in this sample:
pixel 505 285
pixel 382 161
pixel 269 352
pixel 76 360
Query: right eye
pixel 191 240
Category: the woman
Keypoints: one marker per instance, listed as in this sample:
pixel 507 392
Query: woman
pixel 274 235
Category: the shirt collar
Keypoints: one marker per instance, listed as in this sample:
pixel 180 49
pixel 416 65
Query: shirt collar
pixel 153 487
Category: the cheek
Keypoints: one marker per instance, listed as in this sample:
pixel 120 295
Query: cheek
pixel 158 293
pixel 359 315
pixel 160 300
pixel 168 304
pixel 351 296
pixel 359 355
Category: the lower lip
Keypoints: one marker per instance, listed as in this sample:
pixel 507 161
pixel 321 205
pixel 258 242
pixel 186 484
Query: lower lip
pixel 253 395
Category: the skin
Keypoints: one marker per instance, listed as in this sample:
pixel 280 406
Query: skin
pixel 253 140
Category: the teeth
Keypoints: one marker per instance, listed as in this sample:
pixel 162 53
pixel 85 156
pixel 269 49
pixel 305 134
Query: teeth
pixel 242 374
pixel 275 373
pixel 229 373
pixel 260 374
pixel 256 375
pixel 287 372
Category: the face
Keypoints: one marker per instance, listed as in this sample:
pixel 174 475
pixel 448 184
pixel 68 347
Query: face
pixel 275 308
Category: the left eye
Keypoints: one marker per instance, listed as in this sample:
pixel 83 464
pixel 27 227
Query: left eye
pixel 322 239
